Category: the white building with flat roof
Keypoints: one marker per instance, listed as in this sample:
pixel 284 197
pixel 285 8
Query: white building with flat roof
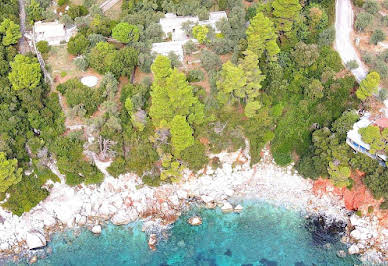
pixel 172 25
pixel 54 33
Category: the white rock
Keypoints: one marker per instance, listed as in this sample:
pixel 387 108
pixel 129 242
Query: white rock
pixel 35 240
pixel 96 229
pixel 152 241
pixel 182 194
pixel 353 249
pixel 229 192
pixel 4 246
pixel 195 220
pixel 238 208
pixel 80 220
pixel 106 210
pixel 227 207
pixel 207 199
pixel 124 217
pixel 49 221
pixel 174 200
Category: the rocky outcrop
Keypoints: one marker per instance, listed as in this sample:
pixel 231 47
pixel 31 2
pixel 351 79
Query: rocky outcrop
pixel 123 217
pixel 238 208
pixel 195 220
pixel 35 240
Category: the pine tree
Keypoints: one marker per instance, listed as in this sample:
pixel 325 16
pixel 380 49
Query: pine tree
pixel 10 174
pixel 285 12
pixel 261 36
pixel 368 86
pixel 181 134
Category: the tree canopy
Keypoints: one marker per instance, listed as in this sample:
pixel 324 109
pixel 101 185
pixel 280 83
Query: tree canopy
pixel 26 73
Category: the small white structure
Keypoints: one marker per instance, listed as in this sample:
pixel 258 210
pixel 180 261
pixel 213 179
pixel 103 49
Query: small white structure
pixel 89 81
pixel 54 33
pixel 172 25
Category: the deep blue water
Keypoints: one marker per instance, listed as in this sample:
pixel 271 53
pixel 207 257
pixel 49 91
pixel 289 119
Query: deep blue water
pixel 261 235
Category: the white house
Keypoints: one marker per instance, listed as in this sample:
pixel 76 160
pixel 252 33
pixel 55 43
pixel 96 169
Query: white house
pixel 54 33
pixel 172 25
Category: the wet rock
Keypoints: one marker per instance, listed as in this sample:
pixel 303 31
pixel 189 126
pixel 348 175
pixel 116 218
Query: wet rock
pixel 211 205
pixel 152 241
pixel 195 220
pixel 226 207
pixel 96 229
pixel 181 244
pixel 35 239
pixel 238 208
pixel 33 260
pixel 341 254
pixel 353 249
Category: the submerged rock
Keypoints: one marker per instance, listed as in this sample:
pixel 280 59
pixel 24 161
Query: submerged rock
pixel 195 220
pixel 341 254
pixel 33 260
pixel 238 208
pixel 35 240
pixel 152 241
pixel 96 229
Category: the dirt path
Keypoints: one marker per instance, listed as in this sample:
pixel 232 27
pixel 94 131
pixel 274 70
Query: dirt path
pixel 343 43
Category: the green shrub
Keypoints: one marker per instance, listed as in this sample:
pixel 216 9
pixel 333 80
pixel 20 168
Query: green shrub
pixel 117 167
pixel 370 209
pixel 363 20
pixel 377 36
pixel 151 180
pixel 25 195
pixel 195 156
pixel 352 64
pixel 358 3
pixel 63 2
pixel 195 75
pixel 359 213
pixel 371 6
pixel 385 4
pixel 384 205
pixel 63 74
pixel 43 47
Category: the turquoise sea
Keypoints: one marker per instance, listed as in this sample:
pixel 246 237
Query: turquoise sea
pixel 261 235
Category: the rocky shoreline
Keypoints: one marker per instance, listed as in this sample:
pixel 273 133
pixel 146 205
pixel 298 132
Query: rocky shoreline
pixel 125 199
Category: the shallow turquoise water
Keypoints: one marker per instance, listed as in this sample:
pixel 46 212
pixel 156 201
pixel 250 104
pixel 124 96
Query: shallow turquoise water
pixel 261 235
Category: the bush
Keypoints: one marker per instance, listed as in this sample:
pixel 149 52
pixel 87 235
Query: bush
pixel 363 20
pixel 195 75
pixel 327 37
pixel 63 2
pixel 210 61
pixel 366 57
pixel 43 47
pixel 371 6
pixel 358 3
pixel 377 36
pixel 352 64
pixel 81 63
pixel 382 68
pixel 195 156
pixel 117 167
pixel 78 44
pixel 385 4
pixel 77 11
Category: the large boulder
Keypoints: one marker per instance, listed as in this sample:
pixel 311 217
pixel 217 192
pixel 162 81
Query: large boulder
pixel 353 249
pixel 124 217
pixel 96 229
pixel 195 220
pixel 35 240
pixel 227 207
